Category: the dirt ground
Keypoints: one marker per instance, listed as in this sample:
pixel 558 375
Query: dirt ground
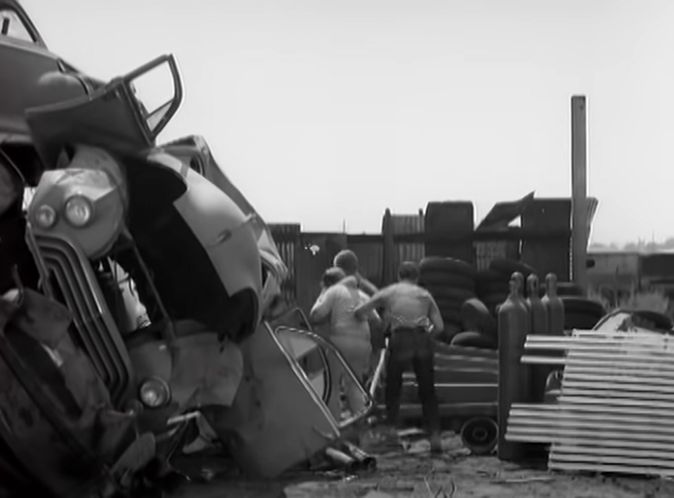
pixel 406 469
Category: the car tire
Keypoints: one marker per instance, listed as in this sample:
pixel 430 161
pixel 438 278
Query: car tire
pixel 448 265
pixel 509 266
pixel 445 279
pixel 474 311
pixel 472 339
pixel 450 294
pixel 480 435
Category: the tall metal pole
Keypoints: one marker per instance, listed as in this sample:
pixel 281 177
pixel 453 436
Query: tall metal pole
pixel 579 231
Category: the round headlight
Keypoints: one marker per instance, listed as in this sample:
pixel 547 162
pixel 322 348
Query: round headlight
pixel 154 392
pixel 45 216
pixel 78 211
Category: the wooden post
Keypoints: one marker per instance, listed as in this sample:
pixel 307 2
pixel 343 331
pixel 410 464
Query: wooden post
pixel 389 250
pixel 579 234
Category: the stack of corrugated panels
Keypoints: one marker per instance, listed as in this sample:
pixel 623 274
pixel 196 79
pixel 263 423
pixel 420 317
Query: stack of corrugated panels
pixel 615 412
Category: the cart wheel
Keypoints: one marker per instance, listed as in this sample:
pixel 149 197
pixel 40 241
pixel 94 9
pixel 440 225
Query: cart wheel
pixel 479 435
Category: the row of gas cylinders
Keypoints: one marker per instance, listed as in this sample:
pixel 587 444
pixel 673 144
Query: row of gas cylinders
pixel 518 317
pixel 533 314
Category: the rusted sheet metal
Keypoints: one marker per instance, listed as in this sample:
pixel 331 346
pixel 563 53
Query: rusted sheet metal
pixel 652 378
pixel 615 401
pixel 613 393
pixel 613 360
pixel 555 432
pixel 616 406
pixel 607 366
pixel 619 444
pixel 653 345
pixel 533 416
pixel 543 360
pixel 557 410
pixel 413 223
pixel 581 423
pixel 595 467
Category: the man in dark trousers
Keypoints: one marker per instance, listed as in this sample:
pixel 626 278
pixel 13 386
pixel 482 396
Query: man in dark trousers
pixel 413 315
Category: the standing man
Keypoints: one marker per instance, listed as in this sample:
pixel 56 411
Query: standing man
pixel 347 260
pixel 336 304
pixel 412 315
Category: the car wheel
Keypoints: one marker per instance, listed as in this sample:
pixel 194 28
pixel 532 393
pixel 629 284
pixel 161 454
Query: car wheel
pixel 479 435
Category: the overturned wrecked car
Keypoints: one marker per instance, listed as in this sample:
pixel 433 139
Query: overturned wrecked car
pixel 138 288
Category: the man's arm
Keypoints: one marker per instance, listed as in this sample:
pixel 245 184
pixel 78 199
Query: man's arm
pixel 321 309
pixel 368 287
pixel 374 319
pixel 371 304
pixel 435 316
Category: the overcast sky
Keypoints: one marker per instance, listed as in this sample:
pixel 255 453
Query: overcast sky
pixel 330 110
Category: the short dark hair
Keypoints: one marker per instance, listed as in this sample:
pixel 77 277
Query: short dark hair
pixel 332 275
pixel 408 270
pixel 347 260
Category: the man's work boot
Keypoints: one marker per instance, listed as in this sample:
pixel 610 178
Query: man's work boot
pixel 436 443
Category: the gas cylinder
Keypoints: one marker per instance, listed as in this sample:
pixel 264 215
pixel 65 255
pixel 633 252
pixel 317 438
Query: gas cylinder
pixel 554 305
pixel 513 382
pixel 519 294
pixel 538 313
pixel 538 318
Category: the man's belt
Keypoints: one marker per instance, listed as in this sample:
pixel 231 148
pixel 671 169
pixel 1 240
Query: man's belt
pixel 409 329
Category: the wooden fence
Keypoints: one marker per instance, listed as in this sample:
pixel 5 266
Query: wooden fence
pixel 542 240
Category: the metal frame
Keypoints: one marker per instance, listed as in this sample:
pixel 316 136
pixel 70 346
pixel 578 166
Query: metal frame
pixel 97 331
pixel 177 99
pixel 323 343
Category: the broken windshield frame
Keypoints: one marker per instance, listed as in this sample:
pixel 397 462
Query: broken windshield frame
pixel 154 120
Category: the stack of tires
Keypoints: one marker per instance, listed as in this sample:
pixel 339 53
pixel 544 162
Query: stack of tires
pixel 450 282
pixel 581 313
pixel 492 284
pixel 479 326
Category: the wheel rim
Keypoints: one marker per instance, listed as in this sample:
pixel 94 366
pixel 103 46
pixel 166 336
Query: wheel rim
pixel 479 434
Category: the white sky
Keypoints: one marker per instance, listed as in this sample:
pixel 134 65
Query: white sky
pixel 330 110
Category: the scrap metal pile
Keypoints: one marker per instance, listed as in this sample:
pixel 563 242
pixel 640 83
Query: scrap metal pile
pixel 616 404
pixel 138 293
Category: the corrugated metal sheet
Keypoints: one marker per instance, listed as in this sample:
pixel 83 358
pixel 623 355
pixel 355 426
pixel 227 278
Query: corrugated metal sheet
pixel 287 236
pixel 412 223
pixel 486 252
pixel 616 408
pixel 370 259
